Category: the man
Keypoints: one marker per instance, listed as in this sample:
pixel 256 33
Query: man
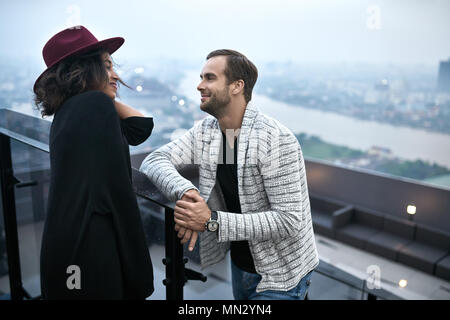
pixel 253 196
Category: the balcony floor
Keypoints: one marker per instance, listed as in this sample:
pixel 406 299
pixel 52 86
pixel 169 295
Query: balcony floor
pixel 420 285
pixel 218 287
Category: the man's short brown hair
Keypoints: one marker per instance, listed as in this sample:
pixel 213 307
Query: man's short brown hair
pixel 238 68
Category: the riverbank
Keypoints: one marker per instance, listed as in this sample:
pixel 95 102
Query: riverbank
pixel 375 159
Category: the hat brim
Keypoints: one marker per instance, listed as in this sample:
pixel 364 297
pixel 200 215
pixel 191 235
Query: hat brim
pixel 109 45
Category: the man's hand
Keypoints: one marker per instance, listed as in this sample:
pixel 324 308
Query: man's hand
pixel 192 215
pixel 184 233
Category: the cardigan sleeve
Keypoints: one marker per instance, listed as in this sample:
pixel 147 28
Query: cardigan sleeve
pixel 162 165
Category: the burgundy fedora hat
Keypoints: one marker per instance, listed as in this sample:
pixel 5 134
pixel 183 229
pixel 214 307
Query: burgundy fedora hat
pixel 72 42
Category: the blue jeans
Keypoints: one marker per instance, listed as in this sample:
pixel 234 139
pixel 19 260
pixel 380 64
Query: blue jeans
pixel 244 287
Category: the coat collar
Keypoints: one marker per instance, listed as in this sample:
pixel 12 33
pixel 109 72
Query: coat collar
pixel 216 137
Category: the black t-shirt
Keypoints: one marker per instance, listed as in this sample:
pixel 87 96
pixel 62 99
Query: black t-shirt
pixel 227 176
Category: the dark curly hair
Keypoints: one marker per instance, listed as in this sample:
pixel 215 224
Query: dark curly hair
pixel 71 76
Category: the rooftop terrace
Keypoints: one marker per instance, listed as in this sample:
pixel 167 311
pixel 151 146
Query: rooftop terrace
pixel 368 244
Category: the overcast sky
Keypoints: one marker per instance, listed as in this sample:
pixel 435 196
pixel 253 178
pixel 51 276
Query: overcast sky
pixel 323 31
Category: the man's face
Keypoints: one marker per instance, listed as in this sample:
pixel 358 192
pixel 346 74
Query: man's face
pixel 214 90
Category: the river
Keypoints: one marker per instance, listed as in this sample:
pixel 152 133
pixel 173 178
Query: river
pixel 404 142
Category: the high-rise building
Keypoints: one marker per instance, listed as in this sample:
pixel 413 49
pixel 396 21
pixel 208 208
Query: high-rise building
pixel 444 76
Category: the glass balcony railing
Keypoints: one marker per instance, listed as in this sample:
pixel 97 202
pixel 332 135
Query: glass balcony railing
pixel 25 172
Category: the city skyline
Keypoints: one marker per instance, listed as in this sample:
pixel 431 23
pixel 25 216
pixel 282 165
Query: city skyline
pixel 391 94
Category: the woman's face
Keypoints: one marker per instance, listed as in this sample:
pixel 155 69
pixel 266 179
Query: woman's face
pixel 110 88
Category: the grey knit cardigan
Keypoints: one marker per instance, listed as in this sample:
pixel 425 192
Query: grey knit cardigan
pixel 273 193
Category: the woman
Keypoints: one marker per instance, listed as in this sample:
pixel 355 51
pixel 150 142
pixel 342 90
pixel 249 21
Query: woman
pixel 93 244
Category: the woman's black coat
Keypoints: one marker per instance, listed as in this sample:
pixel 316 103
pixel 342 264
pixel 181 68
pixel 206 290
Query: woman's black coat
pixel 93 220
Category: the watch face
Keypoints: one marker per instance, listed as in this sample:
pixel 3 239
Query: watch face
pixel 213 226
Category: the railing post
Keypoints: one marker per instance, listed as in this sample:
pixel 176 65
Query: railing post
pixel 174 281
pixel 371 296
pixel 10 219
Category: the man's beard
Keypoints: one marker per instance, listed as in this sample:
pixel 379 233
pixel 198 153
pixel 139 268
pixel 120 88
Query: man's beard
pixel 217 103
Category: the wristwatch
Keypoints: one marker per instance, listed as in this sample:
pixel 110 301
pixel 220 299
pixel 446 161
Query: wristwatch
pixel 212 224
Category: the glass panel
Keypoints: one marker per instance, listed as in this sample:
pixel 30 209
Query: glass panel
pixel 153 219
pixel 326 288
pixel 25 128
pixel 4 278
pixel 218 284
pixel 30 164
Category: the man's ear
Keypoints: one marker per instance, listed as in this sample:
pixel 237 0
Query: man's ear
pixel 238 86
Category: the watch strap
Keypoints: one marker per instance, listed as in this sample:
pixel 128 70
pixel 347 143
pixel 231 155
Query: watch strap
pixel 213 218
pixel 214 215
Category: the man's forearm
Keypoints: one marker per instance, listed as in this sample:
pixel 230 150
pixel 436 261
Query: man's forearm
pixel 262 225
pixel 161 166
pixel 163 174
